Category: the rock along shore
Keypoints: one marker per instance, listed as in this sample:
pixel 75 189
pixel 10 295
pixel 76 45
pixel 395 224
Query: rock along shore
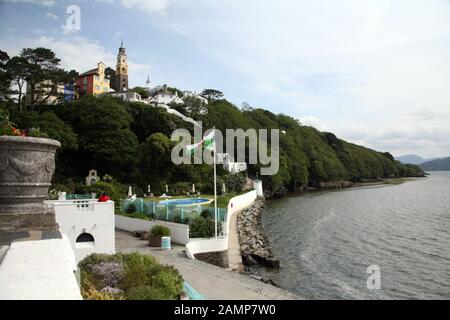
pixel 253 243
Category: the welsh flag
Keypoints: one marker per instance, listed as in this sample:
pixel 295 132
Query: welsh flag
pixel 208 142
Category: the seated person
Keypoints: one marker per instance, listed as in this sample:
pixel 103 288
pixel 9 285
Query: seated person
pixel 104 197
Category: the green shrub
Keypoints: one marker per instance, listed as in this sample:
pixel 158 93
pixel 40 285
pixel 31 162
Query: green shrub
pixel 131 208
pixel 169 281
pixel 204 228
pixel 181 188
pixel 137 270
pixel 96 258
pixel 37 133
pixel 160 231
pixel 235 183
pixel 177 219
pixel 142 277
pixel 114 190
pixel 205 213
pixel 147 293
pixel 90 275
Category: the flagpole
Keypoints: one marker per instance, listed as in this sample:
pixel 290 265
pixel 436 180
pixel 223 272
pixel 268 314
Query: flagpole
pixel 215 186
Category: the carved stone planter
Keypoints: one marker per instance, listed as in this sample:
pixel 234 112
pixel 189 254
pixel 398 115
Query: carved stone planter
pixel 26 169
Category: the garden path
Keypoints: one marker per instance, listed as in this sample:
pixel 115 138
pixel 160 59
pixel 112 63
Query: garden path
pixel 214 283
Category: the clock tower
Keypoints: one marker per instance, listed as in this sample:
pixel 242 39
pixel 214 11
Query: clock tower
pixel 122 70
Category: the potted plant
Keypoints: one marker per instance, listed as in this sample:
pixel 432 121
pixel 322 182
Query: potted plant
pixel 27 164
pixel 155 235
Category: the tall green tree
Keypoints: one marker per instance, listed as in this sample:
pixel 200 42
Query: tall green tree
pixel 143 92
pixel 5 77
pixel 212 94
pixel 18 69
pixel 43 74
pixel 155 160
pixel 105 140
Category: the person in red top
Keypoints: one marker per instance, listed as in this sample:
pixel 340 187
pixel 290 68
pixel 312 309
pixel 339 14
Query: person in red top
pixel 104 197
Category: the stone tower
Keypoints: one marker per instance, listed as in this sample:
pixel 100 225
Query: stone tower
pixel 122 70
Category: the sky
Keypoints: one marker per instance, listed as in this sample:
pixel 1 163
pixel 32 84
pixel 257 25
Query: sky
pixel 374 72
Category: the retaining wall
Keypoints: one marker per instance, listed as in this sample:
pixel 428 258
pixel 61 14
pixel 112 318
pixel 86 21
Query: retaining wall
pixel 180 232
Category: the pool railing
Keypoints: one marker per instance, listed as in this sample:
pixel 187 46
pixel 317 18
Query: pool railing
pixel 172 211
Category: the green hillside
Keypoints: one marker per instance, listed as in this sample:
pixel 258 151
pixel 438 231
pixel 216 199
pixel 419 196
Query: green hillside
pixel 436 165
pixel 131 143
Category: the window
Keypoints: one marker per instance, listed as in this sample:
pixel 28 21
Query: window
pixel 85 80
pixel 85 240
pixel 97 87
pixel 85 237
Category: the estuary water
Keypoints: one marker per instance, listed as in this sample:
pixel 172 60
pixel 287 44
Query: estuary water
pixel 327 240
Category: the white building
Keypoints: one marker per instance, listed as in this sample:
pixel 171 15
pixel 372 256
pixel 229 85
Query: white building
pixel 161 96
pixel 235 167
pixel 129 96
pixel 228 164
pixel 88 224
pixel 196 95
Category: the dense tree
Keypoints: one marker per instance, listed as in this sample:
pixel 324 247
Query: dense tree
pixel 192 107
pixel 143 92
pixel 40 68
pixel 111 74
pixel 19 70
pixel 155 161
pixel 105 140
pixel 5 76
pixel 212 94
pixel 148 120
pixel 58 130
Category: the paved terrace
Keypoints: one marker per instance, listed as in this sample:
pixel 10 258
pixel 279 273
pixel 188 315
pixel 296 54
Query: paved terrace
pixel 214 283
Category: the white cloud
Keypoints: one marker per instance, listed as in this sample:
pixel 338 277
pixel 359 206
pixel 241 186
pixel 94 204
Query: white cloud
pixel 359 66
pixel 312 121
pixel 149 6
pixel 51 16
pixel 47 3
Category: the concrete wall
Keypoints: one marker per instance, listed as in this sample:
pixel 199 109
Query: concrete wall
pixel 259 188
pixel 196 246
pixel 180 232
pixel 39 270
pixel 236 204
pixel 75 217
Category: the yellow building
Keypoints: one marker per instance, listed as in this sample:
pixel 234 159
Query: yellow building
pixel 94 81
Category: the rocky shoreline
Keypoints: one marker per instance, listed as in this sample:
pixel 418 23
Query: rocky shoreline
pixel 254 246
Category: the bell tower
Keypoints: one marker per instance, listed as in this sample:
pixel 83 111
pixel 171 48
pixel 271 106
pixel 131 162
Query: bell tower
pixel 122 70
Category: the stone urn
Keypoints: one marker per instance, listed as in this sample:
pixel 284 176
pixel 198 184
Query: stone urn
pixel 26 169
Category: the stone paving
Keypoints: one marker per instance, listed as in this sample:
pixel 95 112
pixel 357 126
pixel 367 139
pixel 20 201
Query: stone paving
pixel 214 283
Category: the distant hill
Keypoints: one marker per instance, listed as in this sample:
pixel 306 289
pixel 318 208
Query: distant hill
pixel 435 165
pixel 413 159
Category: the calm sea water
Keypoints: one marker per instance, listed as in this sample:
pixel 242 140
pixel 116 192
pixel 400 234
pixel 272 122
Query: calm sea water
pixel 326 241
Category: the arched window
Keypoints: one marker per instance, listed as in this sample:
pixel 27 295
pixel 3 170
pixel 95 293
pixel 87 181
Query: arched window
pixel 85 240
